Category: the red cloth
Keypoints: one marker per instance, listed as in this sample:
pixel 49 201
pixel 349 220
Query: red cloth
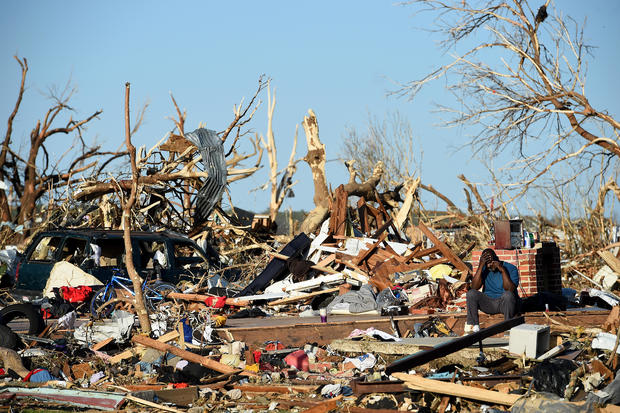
pixel 76 294
pixel 215 302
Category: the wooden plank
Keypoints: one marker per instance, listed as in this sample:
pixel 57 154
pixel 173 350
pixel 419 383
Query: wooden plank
pixel 446 251
pixel 327 260
pixel 303 297
pixel 338 217
pixel 102 343
pixel 186 355
pixel 284 389
pixel 416 382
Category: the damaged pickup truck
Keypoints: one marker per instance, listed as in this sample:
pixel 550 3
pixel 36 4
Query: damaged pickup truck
pixel 100 253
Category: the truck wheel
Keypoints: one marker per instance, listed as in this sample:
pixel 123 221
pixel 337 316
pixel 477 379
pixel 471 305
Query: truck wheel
pixel 27 311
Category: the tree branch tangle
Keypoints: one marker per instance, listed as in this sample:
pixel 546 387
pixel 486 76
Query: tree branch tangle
pixel 521 85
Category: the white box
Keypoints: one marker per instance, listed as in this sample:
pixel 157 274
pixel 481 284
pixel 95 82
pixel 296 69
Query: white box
pixel 531 339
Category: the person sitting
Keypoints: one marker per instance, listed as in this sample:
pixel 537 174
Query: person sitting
pixel 499 280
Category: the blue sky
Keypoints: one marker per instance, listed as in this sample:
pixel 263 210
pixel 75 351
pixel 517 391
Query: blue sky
pixel 334 57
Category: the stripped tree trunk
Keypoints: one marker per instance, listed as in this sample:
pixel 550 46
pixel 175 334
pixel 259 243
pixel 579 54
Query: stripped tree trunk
pixel 143 316
pixel 316 160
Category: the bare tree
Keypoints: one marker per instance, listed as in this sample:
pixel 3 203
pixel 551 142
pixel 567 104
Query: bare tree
pixel 128 205
pixel 170 173
pixel 521 87
pixel 282 188
pixel 29 177
pixel 390 141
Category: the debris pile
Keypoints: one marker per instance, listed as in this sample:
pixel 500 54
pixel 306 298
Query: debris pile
pixel 355 318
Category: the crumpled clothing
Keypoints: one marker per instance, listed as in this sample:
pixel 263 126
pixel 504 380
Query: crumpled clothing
pixel 363 362
pixel 331 390
pixel 67 321
pixel 359 301
pixel 77 294
pixel 374 333
pixel 118 326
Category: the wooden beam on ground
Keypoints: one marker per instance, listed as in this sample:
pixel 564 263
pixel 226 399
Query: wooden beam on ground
pixel 416 382
pixel 132 351
pixel 284 389
pixel 446 251
pixel 186 355
pixel 288 300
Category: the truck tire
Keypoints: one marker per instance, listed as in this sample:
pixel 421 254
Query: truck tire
pixel 8 339
pixel 27 311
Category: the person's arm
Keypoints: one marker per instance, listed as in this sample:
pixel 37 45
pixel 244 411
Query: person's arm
pixel 476 281
pixel 508 284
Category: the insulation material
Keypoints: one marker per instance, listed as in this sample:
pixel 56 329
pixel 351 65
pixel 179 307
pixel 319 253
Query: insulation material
pixel 65 274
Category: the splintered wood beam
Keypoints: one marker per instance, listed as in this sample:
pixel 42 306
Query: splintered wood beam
pixel 338 217
pixel 366 253
pixel 416 382
pixel 446 251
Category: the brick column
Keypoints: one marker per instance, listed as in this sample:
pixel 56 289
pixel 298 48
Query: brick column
pixel 539 267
